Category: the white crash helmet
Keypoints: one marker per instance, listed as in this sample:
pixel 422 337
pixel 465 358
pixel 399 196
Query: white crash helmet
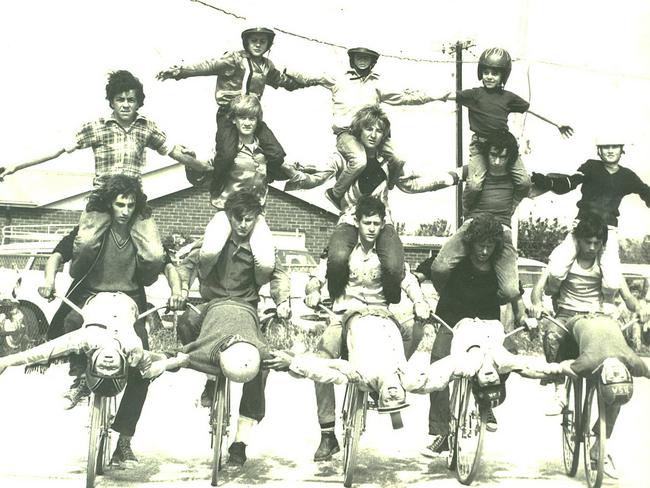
pixel 240 362
pixel 616 382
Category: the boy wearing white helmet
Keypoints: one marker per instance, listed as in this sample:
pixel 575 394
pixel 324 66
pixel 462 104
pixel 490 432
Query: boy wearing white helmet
pixel 355 89
pixel 604 184
pixel 242 72
pixel 488 109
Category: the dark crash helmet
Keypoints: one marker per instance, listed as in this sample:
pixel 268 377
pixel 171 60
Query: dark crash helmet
pixel 363 50
pixel 498 58
pixel 257 30
pixel 106 384
pixel 616 386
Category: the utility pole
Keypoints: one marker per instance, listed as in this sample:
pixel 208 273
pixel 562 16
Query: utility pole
pixel 457 49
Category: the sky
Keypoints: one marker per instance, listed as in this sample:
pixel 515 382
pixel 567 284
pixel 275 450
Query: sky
pixel 583 63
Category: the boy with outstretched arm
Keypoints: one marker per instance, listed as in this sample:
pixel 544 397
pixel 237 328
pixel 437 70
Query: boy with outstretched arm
pixel 488 109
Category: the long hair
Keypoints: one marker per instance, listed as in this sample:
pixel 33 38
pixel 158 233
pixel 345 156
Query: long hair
pixel 484 228
pixel 367 117
pixel 245 106
pixel 101 199
pixel 121 81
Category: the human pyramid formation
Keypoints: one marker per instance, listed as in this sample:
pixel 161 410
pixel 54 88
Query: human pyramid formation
pixel 117 248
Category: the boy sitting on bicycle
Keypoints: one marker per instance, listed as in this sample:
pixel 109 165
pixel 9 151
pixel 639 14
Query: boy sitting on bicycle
pixel 363 294
pixel 230 341
pixel 589 335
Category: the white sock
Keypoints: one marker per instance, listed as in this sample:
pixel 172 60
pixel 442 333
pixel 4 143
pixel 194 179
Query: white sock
pixel 244 427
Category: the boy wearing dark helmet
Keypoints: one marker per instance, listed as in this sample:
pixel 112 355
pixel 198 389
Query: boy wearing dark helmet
pixel 356 89
pixel 488 109
pixel 242 72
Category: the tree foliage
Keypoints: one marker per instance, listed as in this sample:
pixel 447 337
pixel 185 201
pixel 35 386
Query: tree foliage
pixel 438 227
pixel 538 237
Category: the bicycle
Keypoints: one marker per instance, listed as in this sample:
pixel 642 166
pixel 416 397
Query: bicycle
pixel 102 413
pixel 584 422
pixel 219 423
pixel 468 408
pixel 355 410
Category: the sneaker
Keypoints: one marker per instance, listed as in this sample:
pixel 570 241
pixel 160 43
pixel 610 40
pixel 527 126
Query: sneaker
pixel 208 394
pixel 559 400
pixel 327 448
pixel 123 453
pixel 329 193
pixel 237 454
pixel 438 448
pixel 77 391
pixel 490 420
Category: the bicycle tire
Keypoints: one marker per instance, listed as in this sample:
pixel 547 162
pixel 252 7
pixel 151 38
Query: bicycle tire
pixel 453 423
pixel 96 417
pixel 594 470
pixel 571 437
pixel 353 429
pixel 104 448
pixel 218 425
pixel 469 437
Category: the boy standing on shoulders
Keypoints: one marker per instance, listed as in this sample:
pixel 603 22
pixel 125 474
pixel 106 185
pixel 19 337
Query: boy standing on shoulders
pixel 488 109
pixel 604 184
pixel 352 91
pixel 244 72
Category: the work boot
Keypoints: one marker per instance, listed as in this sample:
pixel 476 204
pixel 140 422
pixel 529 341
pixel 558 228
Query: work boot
pixel 123 453
pixel 208 393
pixel 237 454
pixel 327 448
pixel 77 391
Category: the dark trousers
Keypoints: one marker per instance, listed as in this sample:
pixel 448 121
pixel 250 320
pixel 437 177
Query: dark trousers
pixel 227 141
pixel 137 387
pixel 390 253
pixel 253 401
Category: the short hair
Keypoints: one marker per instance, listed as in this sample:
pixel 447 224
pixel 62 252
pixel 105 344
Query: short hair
pixel 368 206
pixel 245 106
pixel 501 140
pixel 484 228
pixel 242 203
pixel 367 117
pixel 591 225
pixel 121 81
pixel 102 198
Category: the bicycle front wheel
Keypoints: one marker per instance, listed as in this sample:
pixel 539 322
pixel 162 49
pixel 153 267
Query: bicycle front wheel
pixel 593 434
pixel 459 385
pixel 571 426
pixel 96 417
pixel 104 448
pixel 354 425
pixel 469 436
pixel 219 419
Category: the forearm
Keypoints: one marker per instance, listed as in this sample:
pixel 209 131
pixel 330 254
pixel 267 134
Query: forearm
pixel 51 269
pixel 317 369
pixel 41 159
pixel 430 182
pixel 173 279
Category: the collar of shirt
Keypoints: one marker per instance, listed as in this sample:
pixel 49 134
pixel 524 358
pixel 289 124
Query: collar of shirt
pixel 355 76
pixel 249 148
pixel 112 120
pixel 241 245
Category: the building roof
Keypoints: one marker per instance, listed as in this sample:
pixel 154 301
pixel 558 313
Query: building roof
pixel 68 190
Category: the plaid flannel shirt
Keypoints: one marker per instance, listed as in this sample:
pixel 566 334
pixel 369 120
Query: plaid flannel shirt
pixel 118 150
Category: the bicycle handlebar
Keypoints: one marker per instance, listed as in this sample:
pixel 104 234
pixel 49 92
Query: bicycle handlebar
pixel 79 310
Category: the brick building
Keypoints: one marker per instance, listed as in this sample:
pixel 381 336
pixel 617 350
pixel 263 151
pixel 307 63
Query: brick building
pixel 177 207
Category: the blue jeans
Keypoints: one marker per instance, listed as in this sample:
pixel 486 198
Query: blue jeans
pixel 454 251
pixel 389 251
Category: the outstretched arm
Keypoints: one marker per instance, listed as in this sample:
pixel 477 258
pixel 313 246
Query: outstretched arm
pixel 527 366
pixel 7 170
pixel 305 177
pixel 209 67
pixel 410 182
pixel 565 130
pixel 155 364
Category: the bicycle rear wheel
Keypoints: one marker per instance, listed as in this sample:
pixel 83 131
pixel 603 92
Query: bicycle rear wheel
pixel 219 421
pixel 454 404
pixel 571 426
pixel 96 418
pixel 594 434
pixel 469 436
pixel 354 425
